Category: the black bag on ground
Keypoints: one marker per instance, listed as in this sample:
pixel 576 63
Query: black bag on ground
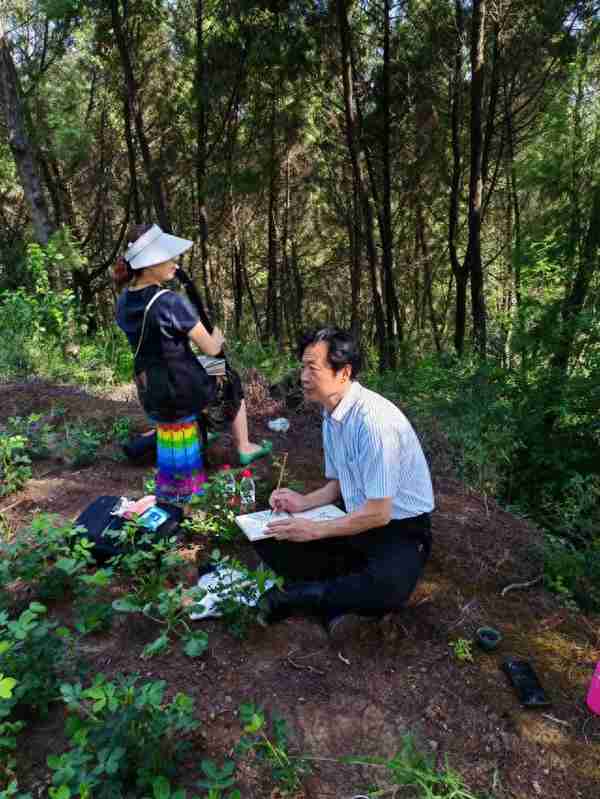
pixel 97 519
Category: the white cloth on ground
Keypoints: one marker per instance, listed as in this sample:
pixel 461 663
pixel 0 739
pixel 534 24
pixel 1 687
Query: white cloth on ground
pixel 226 583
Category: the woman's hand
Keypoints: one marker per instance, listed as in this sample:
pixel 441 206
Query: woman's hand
pixel 287 500
pixel 218 339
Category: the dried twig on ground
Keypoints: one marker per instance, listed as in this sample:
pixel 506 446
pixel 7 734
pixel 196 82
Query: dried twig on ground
pixel 513 586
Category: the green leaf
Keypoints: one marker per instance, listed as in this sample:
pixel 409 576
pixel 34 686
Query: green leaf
pixel 5 646
pixel 161 644
pixel 161 788
pixel 196 645
pixel 126 605
pixel 6 686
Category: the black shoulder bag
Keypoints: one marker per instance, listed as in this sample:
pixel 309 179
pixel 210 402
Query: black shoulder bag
pixel 170 381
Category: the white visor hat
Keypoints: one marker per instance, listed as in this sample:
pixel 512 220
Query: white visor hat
pixel 155 247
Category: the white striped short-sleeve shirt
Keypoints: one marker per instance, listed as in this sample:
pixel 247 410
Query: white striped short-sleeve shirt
pixel 372 450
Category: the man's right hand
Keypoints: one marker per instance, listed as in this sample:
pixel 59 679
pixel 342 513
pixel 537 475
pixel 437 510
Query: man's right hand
pixel 287 500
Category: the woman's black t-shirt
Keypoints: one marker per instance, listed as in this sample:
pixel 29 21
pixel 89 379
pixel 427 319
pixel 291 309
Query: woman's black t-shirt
pixel 173 313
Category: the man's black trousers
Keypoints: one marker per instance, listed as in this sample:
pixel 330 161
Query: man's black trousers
pixel 369 573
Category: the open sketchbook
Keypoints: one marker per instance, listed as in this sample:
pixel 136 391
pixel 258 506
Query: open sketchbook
pixel 254 525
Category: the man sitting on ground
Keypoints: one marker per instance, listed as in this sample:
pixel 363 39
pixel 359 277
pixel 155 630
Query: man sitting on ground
pixel 368 562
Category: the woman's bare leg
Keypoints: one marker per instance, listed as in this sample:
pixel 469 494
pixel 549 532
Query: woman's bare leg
pixel 239 431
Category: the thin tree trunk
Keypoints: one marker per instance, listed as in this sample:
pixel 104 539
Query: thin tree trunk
pixel 355 238
pixel 201 91
pixel 512 177
pixel 21 144
pixel 273 326
pixel 459 270
pixel 476 180
pixel 391 303
pixel 357 158
pixel 135 197
pixel 152 172
pixel 422 237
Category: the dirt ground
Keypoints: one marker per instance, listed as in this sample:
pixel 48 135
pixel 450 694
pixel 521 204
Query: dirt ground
pixel 394 677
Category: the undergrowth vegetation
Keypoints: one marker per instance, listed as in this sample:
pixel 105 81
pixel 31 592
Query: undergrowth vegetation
pixel 494 421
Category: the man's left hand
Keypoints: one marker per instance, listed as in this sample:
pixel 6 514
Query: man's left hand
pixel 294 530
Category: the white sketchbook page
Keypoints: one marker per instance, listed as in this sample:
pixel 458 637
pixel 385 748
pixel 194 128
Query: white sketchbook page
pixel 253 525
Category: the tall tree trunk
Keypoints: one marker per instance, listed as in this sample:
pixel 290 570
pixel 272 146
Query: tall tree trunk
pixel 237 281
pixel 428 272
pixel 355 238
pixel 357 159
pixel 391 303
pixel 201 91
pixel 476 179
pixel 514 196
pixel 459 270
pixel 152 171
pixel 135 196
pixel 273 327
pixel 21 144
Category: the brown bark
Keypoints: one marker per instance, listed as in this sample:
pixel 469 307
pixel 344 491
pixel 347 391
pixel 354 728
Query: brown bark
pixel 476 178
pixel 272 311
pixel 201 91
pixel 357 160
pixel 459 270
pixel 135 110
pixel 21 144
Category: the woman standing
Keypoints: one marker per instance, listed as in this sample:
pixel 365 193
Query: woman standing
pixel 173 387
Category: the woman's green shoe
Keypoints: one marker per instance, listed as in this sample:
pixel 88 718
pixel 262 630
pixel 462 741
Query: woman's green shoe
pixel 265 449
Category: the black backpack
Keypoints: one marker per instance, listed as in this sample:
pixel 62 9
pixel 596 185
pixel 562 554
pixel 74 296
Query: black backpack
pixel 170 381
pixel 160 522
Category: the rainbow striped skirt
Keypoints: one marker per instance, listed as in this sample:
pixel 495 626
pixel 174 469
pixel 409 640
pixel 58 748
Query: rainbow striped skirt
pixel 180 471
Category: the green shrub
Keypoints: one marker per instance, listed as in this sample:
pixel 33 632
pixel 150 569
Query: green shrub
pixel 123 737
pixel 15 464
pixel 33 651
pixel 49 555
pixel 573 573
pixel 38 435
pixel 409 768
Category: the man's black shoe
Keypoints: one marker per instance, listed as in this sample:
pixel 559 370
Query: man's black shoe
pixel 297 599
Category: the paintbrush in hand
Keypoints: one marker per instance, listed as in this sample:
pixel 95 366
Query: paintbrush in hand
pixel 281 473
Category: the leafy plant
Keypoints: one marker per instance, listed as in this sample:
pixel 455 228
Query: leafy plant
pixel 463 650
pixel 33 651
pixel 411 769
pixel 171 609
pixel 15 464
pixel 38 434
pixel 218 780
pixel 50 555
pixel 80 445
pixel 214 511
pixel 92 614
pixel 238 603
pixel 123 737
pixel 121 429
pixel 146 562
pixel 271 747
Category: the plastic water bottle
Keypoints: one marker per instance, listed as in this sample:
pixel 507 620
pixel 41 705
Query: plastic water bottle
pixel 229 486
pixel 247 492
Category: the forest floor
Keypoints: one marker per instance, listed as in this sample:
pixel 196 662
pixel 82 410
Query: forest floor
pixel 395 677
